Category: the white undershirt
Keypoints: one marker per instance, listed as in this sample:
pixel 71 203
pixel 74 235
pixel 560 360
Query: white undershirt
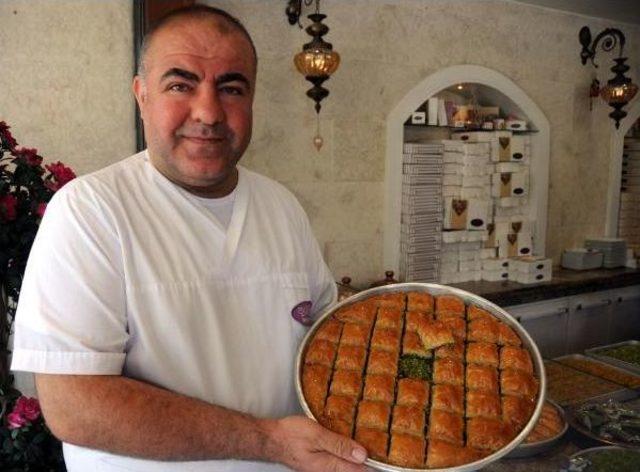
pixel 222 207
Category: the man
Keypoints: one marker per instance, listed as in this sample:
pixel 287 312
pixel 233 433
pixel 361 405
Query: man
pixel 158 303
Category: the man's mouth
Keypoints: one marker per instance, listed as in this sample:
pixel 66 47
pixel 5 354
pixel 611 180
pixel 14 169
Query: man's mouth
pixel 205 140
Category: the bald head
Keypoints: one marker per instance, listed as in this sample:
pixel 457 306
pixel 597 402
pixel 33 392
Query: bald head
pixel 223 22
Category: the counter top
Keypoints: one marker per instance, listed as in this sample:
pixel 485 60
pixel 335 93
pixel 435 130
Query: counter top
pixel 564 283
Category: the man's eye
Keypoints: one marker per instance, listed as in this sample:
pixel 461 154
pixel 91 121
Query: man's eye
pixel 232 90
pixel 179 88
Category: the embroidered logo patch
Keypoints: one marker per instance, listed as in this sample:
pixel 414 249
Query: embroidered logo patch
pixel 302 313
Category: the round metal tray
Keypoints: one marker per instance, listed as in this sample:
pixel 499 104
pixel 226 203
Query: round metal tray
pixel 575 424
pixel 532 449
pixel 469 298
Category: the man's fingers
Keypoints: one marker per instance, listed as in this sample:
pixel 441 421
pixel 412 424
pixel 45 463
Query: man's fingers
pixel 342 447
pixel 335 464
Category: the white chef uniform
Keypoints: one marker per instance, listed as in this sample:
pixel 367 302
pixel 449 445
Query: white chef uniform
pixel 130 274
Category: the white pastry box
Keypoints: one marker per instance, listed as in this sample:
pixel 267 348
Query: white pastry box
pixel 519 149
pixel 455 213
pixel 478 214
pixel 510 184
pixel 495 264
pixel 530 264
pixel 515 244
pixel 471 265
pixel 533 278
pixel 495 275
pixel 491 242
pixel 500 142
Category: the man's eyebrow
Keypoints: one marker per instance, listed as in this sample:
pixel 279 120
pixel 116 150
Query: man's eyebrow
pixel 233 77
pixel 185 74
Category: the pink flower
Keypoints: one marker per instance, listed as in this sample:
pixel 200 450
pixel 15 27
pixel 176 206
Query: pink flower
pixel 61 173
pixel 30 156
pixel 8 204
pixel 15 420
pixel 40 209
pixel 28 408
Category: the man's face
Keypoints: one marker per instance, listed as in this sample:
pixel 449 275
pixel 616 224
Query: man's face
pixel 195 99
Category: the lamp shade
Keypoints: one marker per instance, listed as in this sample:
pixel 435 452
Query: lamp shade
pixel 317 62
pixel 622 94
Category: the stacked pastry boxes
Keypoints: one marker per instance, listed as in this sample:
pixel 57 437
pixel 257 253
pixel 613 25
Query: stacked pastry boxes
pixel 487 207
pixel 629 215
pixel 421 220
pixel 466 194
pixel 479 394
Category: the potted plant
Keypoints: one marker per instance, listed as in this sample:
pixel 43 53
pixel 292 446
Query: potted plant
pixel 26 186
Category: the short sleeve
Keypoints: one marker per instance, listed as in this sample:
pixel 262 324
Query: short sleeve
pixel 71 316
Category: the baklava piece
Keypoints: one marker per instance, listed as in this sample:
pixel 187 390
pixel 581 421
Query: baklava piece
pixel 482 377
pixel 442 454
pixel 385 339
pixel 483 330
pixel 383 363
pixel 515 358
pixel 406 450
pixel 379 388
pixel 451 351
pixel 373 415
pixel 448 398
pixel 359 312
pixel 519 383
pixel 483 353
pixel 487 433
pixel 411 344
pixel 477 313
pixel 413 392
pixel 408 420
pixel 420 301
pixel 355 334
pixel 483 404
pixel 414 318
pixel 342 427
pixel 346 382
pixel 446 426
pixel 458 326
pixel 315 383
pixel 330 331
pixel 507 336
pixel 339 407
pixel 517 410
pixel 434 334
pixel 351 358
pixel 389 318
pixel 389 300
pixel 374 441
pixel 448 371
pixel 320 352
pixel 450 304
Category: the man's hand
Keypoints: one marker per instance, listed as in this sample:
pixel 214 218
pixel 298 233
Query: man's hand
pixel 305 446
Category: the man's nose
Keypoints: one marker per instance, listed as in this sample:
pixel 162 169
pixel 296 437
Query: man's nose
pixel 207 108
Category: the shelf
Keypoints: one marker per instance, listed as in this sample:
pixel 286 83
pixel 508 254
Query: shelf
pixel 455 129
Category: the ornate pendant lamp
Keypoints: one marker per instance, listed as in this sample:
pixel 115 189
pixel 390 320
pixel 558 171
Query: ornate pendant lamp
pixel 620 89
pixel 317 60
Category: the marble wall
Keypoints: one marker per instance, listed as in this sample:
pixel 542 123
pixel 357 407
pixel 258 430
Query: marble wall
pixel 66 68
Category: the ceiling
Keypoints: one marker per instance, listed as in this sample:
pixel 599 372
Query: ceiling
pixel 625 11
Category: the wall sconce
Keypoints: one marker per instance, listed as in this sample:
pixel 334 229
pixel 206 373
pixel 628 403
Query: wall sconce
pixel 620 89
pixel 317 60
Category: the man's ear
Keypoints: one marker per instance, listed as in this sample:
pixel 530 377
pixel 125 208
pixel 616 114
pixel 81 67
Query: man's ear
pixel 140 91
